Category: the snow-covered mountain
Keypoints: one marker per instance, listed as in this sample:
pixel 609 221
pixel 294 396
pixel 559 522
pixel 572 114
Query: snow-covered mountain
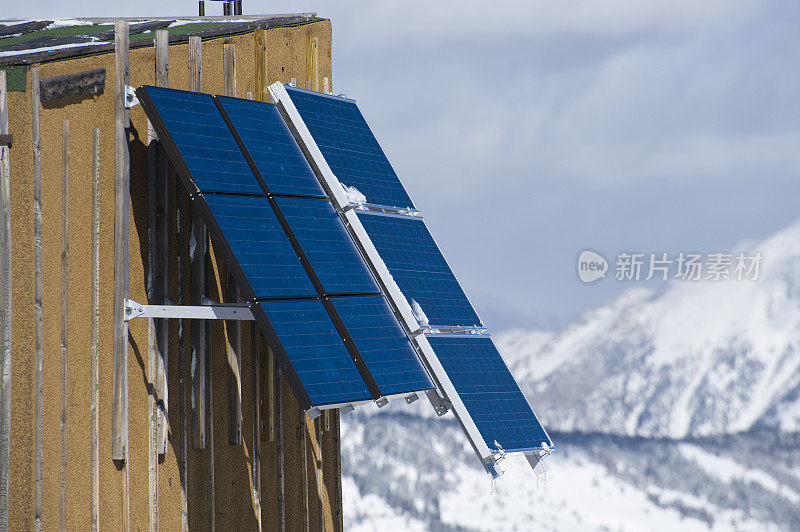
pixel 697 358
pixel 676 409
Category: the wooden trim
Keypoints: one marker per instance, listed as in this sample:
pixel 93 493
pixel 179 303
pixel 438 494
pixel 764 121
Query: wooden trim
pixel 119 423
pixel 87 82
pixel 255 353
pixel 95 350
pixel 5 309
pixel 312 64
pixel 229 68
pixel 64 321
pixel 234 337
pixel 38 296
pixel 161 252
pixel 261 92
pixel 181 200
pixel 280 450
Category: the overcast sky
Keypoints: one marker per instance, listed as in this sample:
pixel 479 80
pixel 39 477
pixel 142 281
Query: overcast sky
pixel 529 131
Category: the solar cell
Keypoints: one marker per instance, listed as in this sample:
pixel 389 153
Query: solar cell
pixel 274 151
pixel 489 392
pixel 330 250
pixel 316 351
pixel 382 343
pixel 260 246
pixel 202 140
pixel 419 268
pixel 350 148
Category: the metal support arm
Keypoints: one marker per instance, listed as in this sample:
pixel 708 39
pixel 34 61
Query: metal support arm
pixel 213 311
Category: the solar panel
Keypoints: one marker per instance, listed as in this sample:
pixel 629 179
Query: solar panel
pixel 350 148
pixel 330 250
pixel 419 268
pixel 470 374
pixel 200 138
pixel 260 246
pixel 490 393
pixel 316 350
pixel 382 343
pixel 274 151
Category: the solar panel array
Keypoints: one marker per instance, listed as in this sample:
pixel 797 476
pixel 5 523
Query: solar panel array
pixel 466 359
pixel 287 246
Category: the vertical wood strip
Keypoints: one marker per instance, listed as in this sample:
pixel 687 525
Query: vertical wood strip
pixel 209 375
pixel 304 461
pixel 318 464
pixel 38 296
pixel 326 85
pixel 161 252
pixel 278 398
pixel 261 93
pixel 94 384
pixel 183 370
pixel 337 456
pixel 152 335
pixel 5 310
pixel 229 68
pixel 312 64
pixel 271 393
pixel 119 446
pixel 64 319
pixel 234 370
pixel 256 379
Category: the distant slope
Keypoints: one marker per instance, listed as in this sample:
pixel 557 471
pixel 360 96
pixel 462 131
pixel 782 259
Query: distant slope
pixel 698 358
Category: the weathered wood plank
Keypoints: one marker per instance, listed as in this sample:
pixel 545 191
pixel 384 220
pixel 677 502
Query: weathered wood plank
pixel 64 321
pixel 197 251
pixel 318 465
pixel 5 310
pixel 25 27
pixel 161 252
pixel 234 370
pixel 119 422
pixel 255 353
pixel 152 336
pixel 261 82
pixel 312 64
pixel 183 368
pixel 94 383
pixel 209 375
pixel 87 82
pixel 326 85
pixel 304 462
pixel 279 433
pixel 229 68
pixel 271 394
pixel 37 296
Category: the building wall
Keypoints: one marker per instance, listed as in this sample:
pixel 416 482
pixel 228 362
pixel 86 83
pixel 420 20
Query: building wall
pixel 286 59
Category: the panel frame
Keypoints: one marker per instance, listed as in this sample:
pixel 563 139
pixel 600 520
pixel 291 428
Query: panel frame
pixel 396 298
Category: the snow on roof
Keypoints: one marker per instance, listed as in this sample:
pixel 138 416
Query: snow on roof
pixel 24 42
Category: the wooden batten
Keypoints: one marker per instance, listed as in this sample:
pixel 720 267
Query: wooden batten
pixel 280 449
pixel 64 321
pixel 161 251
pixel 229 68
pixel 5 310
pixel 119 436
pixel 95 349
pixel 256 388
pixel 312 64
pixel 234 337
pixel 261 83
pixel 38 297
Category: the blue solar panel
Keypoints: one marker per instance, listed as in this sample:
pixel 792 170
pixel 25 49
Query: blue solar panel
pixel 382 343
pixel 489 392
pixel 328 246
pixel 414 260
pixel 348 145
pixel 273 149
pixel 316 351
pixel 260 246
pixel 204 141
